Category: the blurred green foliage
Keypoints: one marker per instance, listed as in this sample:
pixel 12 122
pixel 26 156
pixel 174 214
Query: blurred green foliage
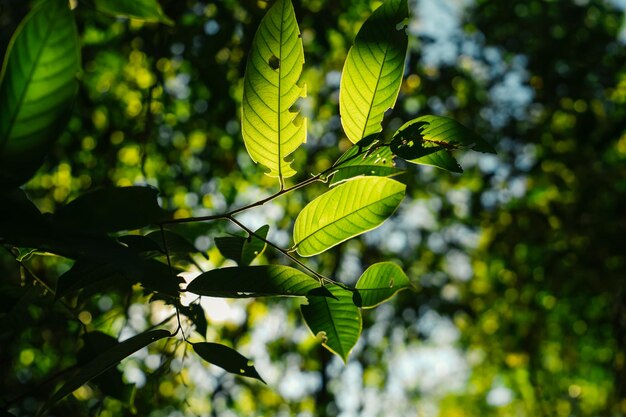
pixel 520 264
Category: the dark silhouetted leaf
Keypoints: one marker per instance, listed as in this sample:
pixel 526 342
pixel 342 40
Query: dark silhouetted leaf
pixel 226 358
pixel 243 250
pixel 253 281
pixel 195 313
pixel 111 210
pixel 110 381
pixel 106 360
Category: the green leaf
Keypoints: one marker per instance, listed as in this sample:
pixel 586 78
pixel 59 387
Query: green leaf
pixel 336 320
pixel 110 382
pixel 177 245
pixel 111 209
pixel 253 281
pixel 372 73
pixel 345 211
pixel 226 358
pixel 270 128
pixel 365 159
pixel 104 361
pixel 37 88
pixel 146 10
pixel 379 283
pixel 196 314
pixel 243 250
pixel 428 140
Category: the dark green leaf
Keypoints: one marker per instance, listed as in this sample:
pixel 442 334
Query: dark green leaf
pixel 379 283
pixel 105 361
pixel 146 10
pixel 37 88
pixel 253 281
pixel 336 320
pixel 195 313
pixel 226 358
pixel 177 245
pixel 110 381
pixel 111 210
pixel 243 250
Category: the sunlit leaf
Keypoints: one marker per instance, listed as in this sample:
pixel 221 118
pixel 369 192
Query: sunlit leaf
pixel 37 88
pixel 105 361
pixel 146 10
pixel 336 320
pixel 253 281
pixel 379 283
pixel 111 210
pixel 226 358
pixel 365 159
pixel 372 73
pixel 270 128
pixel 243 250
pixel 429 140
pixel 345 211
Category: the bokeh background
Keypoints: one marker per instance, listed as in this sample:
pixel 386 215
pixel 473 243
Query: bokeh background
pixel 519 262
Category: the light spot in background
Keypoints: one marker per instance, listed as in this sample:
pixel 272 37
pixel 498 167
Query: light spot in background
pixel 499 396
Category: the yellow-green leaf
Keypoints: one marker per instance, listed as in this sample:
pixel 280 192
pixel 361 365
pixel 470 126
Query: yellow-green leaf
pixel 379 283
pixel 372 73
pixel 348 210
pixel 271 129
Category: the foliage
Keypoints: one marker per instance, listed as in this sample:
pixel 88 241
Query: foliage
pixel 151 185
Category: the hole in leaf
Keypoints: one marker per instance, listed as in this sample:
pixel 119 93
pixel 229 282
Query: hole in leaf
pixel 250 363
pixel 391 283
pixel 274 62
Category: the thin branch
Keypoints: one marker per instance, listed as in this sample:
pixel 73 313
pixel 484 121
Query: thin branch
pixel 322 176
pixel 281 250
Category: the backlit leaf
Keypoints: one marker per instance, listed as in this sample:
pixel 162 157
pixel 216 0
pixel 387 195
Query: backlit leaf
pixel 336 320
pixel 37 88
pixel 365 160
pixel 253 281
pixel 372 73
pixel 429 140
pixel 345 211
pixel 226 358
pixel 379 283
pixel 271 130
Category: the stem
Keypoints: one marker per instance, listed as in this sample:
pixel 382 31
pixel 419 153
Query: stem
pixel 281 250
pixel 318 177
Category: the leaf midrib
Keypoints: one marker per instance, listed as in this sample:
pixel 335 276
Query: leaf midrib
pixel 343 217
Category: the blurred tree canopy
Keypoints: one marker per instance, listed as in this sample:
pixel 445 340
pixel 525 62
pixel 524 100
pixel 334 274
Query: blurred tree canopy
pixel 519 261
